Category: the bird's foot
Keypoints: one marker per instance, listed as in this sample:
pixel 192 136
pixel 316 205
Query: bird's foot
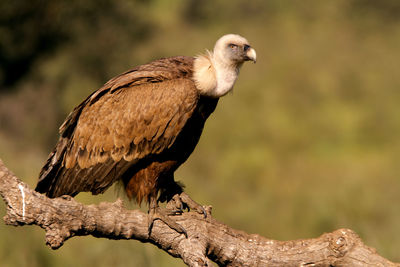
pixel 157 213
pixel 175 206
pixel 181 201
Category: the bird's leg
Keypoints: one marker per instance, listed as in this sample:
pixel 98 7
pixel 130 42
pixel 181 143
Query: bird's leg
pixel 177 200
pixel 182 200
pixel 156 213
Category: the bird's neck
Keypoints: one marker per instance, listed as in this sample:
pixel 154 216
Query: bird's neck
pixel 226 74
pixel 213 76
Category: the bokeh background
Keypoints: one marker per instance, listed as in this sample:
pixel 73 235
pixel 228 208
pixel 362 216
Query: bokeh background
pixel 307 143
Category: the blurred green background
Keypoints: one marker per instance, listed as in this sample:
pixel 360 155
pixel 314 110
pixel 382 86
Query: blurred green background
pixel 307 143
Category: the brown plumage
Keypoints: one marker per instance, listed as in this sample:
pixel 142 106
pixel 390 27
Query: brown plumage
pixel 141 126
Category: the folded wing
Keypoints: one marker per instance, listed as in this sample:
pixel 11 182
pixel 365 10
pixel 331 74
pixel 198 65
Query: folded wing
pixel 135 115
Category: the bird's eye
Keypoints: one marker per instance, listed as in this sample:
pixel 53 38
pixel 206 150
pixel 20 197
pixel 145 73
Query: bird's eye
pixel 232 46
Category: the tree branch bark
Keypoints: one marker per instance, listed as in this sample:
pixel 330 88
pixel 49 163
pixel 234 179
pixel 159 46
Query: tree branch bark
pixel 208 240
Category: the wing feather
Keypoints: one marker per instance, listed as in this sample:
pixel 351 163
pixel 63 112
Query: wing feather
pixel 133 116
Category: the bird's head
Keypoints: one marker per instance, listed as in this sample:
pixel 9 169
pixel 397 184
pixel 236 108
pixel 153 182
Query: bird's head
pixel 233 49
pixel 216 73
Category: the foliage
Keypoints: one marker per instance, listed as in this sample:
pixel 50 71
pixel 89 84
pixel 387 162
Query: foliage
pixel 309 140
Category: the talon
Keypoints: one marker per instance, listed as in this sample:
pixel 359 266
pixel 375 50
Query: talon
pixel 175 206
pixel 67 197
pixel 159 214
pixel 156 213
pixel 191 204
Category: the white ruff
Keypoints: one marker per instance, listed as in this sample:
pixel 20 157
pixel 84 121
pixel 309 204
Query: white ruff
pixel 213 77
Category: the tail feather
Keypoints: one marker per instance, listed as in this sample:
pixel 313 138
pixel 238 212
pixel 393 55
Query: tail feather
pixel 49 173
pixel 56 180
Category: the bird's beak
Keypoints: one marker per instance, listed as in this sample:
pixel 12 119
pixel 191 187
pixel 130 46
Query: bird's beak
pixel 251 55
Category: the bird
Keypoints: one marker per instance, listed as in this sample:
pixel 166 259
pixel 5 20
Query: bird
pixel 140 126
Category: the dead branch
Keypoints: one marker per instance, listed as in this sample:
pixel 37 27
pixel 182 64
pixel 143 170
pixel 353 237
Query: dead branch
pixel 208 240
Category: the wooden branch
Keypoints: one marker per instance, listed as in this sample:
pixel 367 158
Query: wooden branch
pixel 208 240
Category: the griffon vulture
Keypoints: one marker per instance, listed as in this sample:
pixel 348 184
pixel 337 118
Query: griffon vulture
pixel 141 126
